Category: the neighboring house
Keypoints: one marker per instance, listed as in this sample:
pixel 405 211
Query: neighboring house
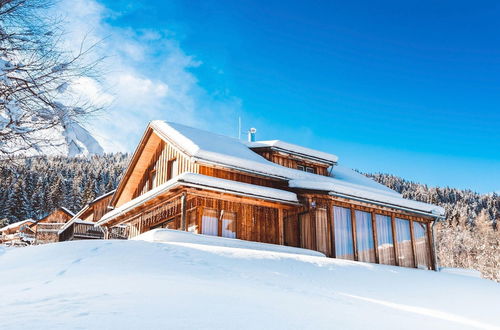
pixel 47 228
pixel 18 233
pixel 268 191
pixel 82 225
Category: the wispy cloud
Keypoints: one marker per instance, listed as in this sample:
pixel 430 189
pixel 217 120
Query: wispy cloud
pixel 146 76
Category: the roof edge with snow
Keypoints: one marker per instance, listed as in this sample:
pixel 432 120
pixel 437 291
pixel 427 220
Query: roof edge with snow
pixel 209 183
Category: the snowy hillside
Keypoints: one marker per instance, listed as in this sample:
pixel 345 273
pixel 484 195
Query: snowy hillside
pixel 179 280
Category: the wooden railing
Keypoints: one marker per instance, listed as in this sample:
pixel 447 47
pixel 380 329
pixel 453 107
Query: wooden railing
pixel 79 231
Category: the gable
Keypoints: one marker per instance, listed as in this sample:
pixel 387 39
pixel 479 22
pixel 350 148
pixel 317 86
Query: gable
pixel 153 155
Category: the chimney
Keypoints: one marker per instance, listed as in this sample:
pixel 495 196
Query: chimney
pixel 251 134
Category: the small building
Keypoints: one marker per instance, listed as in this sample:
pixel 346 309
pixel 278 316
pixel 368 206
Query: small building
pixel 82 225
pixel 267 191
pixel 18 233
pixel 46 229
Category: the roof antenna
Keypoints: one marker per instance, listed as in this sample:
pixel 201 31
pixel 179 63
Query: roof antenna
pixel 251 134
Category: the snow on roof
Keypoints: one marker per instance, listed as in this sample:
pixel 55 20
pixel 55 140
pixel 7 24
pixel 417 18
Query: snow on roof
pixel 368 195
pixel 209 183
pixel 103 195
pixel 67 211
pixel 17 224
pixel 293 148
pixel 233 153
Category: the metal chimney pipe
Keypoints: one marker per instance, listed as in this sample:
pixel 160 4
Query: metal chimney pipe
pixel 251 134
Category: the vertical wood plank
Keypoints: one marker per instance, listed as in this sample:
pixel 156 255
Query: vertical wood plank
pixel 281 229
pixel 395 239
pixel 375 236
pixel 354 238
pixel 413 248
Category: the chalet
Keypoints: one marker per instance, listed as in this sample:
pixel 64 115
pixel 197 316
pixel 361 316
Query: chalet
pixel 82 225
pixel 18 233
pixel 267 191
pixel 46 229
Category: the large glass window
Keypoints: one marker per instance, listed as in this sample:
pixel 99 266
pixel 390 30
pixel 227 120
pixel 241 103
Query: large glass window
pixel 322 234
pixel 306 239
pixel 421 245
pixel 403 236
pixel 209 222
pixel 385 240
pixel 229 225
pixel 364 236
pixel 343 233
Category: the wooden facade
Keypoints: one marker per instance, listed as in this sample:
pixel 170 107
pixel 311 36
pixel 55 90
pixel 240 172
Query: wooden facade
pixel 47 228
pixel 18 234
pixel 336 226
pixel 82 225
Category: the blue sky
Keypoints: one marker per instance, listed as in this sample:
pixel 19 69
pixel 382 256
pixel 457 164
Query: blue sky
pixel 408 88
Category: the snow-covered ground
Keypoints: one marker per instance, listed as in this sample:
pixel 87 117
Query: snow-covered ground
pixel 172 280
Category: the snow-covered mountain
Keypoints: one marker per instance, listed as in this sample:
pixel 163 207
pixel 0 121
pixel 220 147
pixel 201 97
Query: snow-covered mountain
pixel 177 280
pixel 71 140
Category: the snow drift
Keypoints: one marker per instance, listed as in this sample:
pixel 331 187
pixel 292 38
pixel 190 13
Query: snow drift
pixel 178 280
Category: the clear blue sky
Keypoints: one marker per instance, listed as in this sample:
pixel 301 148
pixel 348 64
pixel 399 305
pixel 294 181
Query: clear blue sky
pixel 405 87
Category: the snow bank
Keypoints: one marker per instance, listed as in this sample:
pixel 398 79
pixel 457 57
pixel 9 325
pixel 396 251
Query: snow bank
pixel 461 271
pixel 171 285
pixel 176 236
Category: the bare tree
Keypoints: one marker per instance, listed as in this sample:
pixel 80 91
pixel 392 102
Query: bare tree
pixel 35 73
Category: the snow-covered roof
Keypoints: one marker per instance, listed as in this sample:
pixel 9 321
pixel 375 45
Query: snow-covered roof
pixel 208 183
pixel 294 149
pixel 16 224
pixel 67 211
pixel 103 196
pixel 221 150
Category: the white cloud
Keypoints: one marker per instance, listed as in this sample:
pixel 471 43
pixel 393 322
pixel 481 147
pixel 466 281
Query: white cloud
pixel 146 76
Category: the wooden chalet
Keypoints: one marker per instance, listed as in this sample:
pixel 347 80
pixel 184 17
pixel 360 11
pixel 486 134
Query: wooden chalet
pixel 18 233
pixel 267 191
pixel 46 229
pixel 82 225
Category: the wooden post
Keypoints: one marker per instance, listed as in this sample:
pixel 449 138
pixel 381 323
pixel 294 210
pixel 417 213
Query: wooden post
pixel 281 229
pixel 375 237
pixel 413 248
pixel 431 247
pixel 329 215
pixel 183 212
pixel 354 238
pixel 395 240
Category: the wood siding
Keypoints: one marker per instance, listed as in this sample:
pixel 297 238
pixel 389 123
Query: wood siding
pixel 160 164
pixel 292 161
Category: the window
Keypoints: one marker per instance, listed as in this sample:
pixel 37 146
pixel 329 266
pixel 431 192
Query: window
pixel 310 169
pixel 403 238
pixel 364 237
pixel 306 239
pixel 152 179
pixel 304 168
pixel 343 233
pixel 421 245
pixel 385 240
pixel 172 169
pixel 228 224
pixel 209 222
pixel 322 234
pixel 192 223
